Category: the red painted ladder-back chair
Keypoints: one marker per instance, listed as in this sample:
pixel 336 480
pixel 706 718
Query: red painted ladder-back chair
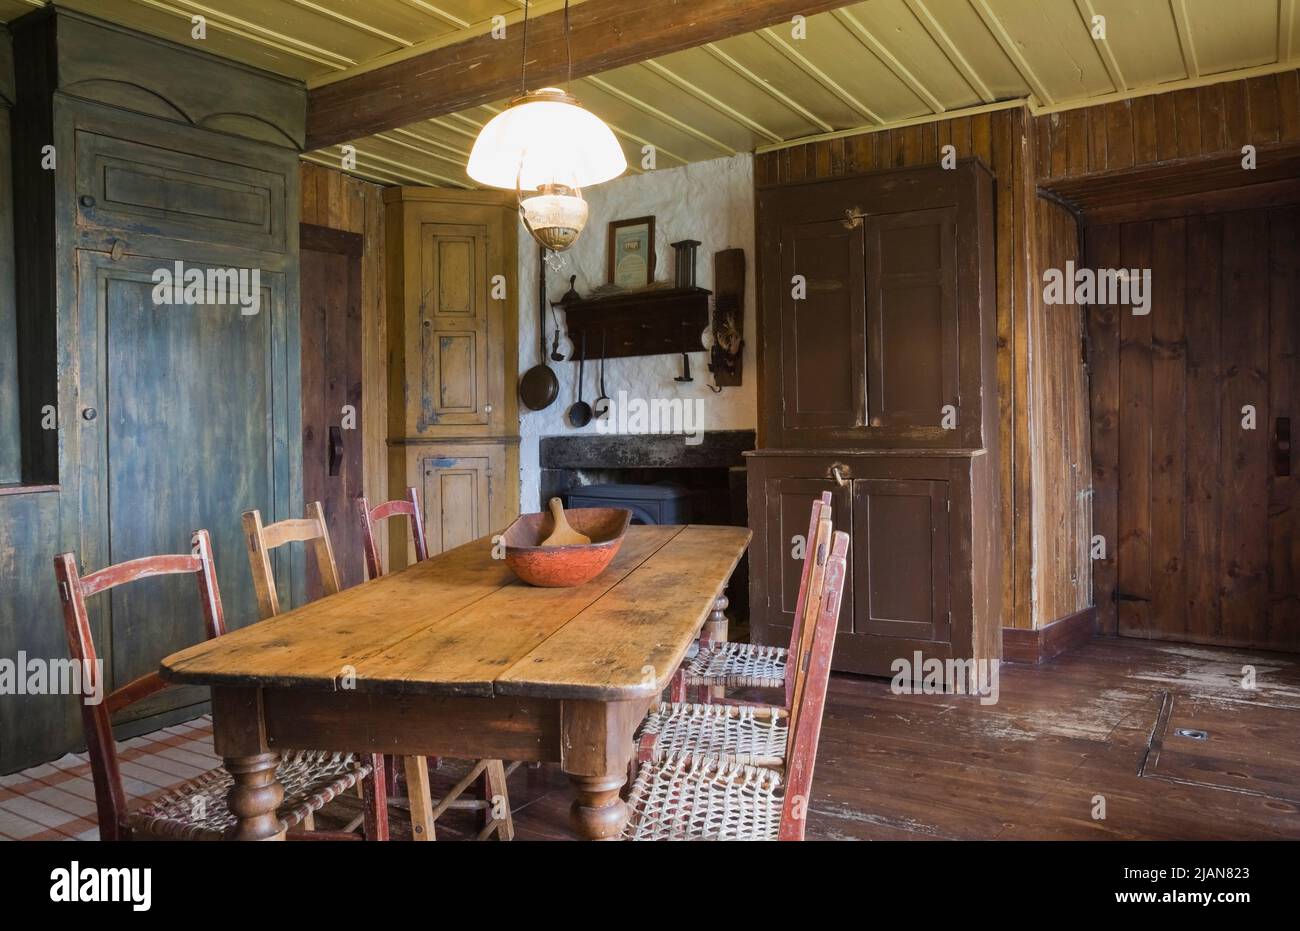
pixel 686 796
pixel 730 665
pixel 425 810
pixel 196 809
pixel 740 731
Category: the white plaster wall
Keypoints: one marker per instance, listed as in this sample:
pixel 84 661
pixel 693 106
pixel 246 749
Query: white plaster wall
pixel 709 201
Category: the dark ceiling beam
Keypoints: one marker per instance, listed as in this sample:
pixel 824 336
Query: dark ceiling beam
pixel 605 34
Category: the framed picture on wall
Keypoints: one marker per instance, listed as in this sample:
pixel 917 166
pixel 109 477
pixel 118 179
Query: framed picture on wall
pixel 631 252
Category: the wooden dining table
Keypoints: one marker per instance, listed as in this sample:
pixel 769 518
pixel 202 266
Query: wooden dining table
pixel 456 657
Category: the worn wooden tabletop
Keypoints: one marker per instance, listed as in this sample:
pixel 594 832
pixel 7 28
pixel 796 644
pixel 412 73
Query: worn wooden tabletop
pixel 462 624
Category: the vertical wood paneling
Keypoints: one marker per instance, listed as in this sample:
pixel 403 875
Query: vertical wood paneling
pixel 1024 279
pixel 1236 115
pixel 1284 401
pixel 1203 417
pixel 1244 342
pixel 1188 117
pixel 1133 547
pixel 1262 92
pixel 1102 251
pixel 1192 122
pixel 333 199
pixel 1209 100
pixel 1288 106
pixel 1061 461
pixel 1004 157
pixel 1168 419
pixel 1144 130
pixel 1119 134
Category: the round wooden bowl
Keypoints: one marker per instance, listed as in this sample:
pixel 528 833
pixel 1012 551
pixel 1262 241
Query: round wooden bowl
pixel 564 566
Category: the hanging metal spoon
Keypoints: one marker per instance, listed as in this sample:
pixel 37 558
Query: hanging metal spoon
pixel 601 407
pixel 580 412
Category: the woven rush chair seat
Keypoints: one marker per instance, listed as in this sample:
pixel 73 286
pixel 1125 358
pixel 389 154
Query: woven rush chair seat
pixel 683 797
pixel 197 809
pixel 738 665
pixel 748 734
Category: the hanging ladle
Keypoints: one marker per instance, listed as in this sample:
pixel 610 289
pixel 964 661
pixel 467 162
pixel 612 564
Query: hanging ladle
pixel 601 407
pixel 569 295
pixel 580 412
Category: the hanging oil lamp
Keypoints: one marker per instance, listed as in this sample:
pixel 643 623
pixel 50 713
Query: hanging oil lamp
pixel 546 147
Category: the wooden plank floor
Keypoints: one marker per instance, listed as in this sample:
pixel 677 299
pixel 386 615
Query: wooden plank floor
pixel 902 767
pixel 919 767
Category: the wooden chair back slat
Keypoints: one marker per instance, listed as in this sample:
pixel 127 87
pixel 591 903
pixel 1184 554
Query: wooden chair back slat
pixel 261 539
pixel 810 544
pixel 806 724
pixel 818 553
pixel 110 797
pixel 410 508
pixel 141 568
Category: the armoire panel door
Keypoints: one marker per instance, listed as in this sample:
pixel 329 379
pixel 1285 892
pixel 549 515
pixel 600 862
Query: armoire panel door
pixel 789 507
pixel 900 559
pixel 180 410
pixel 912 338
pixel 823 330
pixel 457 322
pixel 214 190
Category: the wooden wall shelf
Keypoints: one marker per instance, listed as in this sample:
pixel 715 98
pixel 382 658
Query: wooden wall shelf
pixel 640 323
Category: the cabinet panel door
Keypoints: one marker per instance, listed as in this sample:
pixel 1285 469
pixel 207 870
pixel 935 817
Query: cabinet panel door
pixel 189 429
pixel 912 339
pixel 135 187
pixel 789 507
pixel 457 494
pixel 823 353
pixel 457 323
pixel 900 559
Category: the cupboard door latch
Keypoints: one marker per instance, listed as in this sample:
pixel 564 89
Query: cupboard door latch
pixel 841 473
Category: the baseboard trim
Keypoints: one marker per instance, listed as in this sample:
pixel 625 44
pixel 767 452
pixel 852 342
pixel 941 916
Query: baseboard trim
pixel 1037 646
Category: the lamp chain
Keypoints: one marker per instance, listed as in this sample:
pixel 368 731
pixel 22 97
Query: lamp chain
pixel 568 49
pixel 523 62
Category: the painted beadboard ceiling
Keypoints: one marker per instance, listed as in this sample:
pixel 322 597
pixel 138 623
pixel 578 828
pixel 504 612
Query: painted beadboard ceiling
pixel 868 65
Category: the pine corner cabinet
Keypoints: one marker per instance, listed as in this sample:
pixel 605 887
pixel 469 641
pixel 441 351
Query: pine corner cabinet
pixel 453 361
pixel 877 383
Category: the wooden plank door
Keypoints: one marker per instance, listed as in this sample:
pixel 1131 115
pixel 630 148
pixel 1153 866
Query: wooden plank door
pixel 178 432
pixel 1192 408
pixel 330 324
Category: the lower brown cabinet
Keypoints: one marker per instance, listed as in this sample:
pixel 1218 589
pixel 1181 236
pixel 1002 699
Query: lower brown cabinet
pixel 925 565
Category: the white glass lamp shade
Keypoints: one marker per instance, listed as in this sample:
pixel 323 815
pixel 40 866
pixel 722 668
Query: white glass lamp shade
pixel 545 138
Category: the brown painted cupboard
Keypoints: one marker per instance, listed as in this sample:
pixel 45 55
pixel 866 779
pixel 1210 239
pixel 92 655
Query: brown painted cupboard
pixel 877 384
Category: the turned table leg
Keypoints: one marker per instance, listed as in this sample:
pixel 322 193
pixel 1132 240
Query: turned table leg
pixel 595 748
pixel 715 631
pixel 715 628
pixel 239 736
pixel 598 812
pixel 255 797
